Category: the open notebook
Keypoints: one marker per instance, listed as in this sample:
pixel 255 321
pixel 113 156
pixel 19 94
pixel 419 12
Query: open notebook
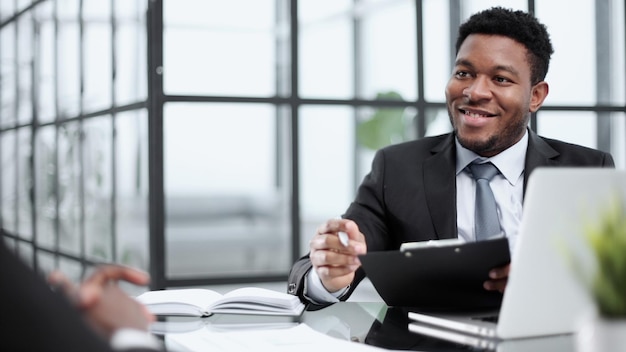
pixel 543 297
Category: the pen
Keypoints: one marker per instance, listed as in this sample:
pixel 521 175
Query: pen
pixel 343 238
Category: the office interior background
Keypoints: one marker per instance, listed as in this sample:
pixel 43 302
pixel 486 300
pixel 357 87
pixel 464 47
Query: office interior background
pixel 205 140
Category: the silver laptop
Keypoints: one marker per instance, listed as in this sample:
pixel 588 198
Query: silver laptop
pixel 543 296
pixel 552 343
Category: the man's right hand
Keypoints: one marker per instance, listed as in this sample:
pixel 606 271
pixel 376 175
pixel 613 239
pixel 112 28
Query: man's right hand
pixel 335 263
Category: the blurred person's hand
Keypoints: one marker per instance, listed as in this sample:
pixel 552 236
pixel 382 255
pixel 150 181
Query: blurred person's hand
pixel 105 305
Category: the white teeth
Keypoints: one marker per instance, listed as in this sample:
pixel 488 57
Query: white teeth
pixel 473 114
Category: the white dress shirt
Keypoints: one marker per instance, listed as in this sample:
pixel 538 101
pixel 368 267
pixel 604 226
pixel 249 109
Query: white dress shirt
pixel 508 190
pixel 507 187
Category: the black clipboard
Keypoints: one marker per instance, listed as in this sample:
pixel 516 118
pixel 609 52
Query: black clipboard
pixel 433 278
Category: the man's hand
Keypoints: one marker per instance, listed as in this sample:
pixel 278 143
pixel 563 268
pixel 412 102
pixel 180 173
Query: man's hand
pixel 105 305
pixel 335 263
pixel 498 278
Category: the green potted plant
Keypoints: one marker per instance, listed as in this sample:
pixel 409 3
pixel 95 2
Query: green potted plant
pixel 606 281
pixel 386 125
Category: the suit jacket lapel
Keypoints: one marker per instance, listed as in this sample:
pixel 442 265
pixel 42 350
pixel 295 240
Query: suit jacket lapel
pixel 440 179
pixel 538 154
pixel 440 188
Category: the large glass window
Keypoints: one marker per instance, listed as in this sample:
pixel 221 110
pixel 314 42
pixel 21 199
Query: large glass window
pixel 438 51
pixel 213 158
pixel 327 164
pixel 69 189
pixel 24 68
pixel 69 172
pixel 98 187
pixel 8 89
pixel 97 67
pixel 45 186
pixel 574 127
pixel 387 49
pixel 130 44
pixel 326 50
pixel 225 207
pixel 9 164
pixel 45 51
pixel 616 39
pixel 219 47
pixel 131 188
pixel 569 42
pixel 68 58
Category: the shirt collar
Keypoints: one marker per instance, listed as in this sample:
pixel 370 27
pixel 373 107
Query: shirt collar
pixel 510 162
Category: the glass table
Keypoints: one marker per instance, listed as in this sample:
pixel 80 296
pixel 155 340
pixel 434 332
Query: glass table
pixel 370 323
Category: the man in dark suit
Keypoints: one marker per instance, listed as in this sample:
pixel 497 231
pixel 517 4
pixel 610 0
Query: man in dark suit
pixel 422 190
pixel 95 316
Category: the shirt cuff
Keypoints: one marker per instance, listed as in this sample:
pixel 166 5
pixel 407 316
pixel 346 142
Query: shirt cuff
pixel 317 293
pixel 127 338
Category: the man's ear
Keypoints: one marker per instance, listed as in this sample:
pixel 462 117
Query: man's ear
pixel 538 95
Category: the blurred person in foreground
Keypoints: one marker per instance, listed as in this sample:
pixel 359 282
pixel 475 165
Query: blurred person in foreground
pixel 96 315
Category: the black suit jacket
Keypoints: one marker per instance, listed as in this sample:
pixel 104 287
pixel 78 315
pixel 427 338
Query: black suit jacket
pixel 410 193
pixel 34 318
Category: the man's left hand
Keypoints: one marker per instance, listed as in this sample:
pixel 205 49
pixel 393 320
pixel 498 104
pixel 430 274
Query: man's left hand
pixel 498 278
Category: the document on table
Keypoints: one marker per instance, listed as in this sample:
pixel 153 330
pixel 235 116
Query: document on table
pixel 301 338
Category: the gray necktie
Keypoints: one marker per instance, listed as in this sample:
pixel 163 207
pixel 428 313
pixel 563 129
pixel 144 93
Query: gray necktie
pixel 486 223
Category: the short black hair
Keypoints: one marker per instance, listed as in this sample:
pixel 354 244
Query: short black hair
pixel 517 25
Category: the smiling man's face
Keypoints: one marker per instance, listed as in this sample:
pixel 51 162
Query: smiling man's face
pixel 490 95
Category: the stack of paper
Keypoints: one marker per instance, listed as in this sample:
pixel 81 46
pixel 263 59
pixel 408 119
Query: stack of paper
pixel 299 338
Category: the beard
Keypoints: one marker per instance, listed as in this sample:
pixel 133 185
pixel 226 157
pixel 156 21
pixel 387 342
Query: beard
pixel 480 147
pixel 496 142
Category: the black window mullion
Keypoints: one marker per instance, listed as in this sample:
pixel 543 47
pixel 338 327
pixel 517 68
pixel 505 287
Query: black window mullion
pixel 357 69
pixel 57 113
pixel 16 109
pixel 603 73
pixel 113 232
pixel 533 116
pixel 295 138
pixel 35 65
pixel 156 99
pixel 420 123
pixel 81 138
